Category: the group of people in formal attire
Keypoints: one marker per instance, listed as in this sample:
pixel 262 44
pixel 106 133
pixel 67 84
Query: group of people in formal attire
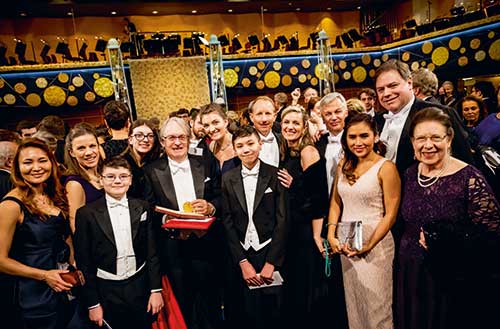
pixel 280 188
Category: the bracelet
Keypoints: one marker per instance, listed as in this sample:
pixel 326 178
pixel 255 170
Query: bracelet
pixel 333 224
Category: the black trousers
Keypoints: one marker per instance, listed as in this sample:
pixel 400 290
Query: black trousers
pixel 125 302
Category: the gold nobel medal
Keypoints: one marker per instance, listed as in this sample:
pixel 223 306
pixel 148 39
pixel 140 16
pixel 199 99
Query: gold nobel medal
pixel 187 207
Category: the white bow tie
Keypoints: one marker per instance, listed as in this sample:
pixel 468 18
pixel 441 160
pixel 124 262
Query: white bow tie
pixel 268 139
pixel 121 203
pixel 249 173
pixel 177 167
pixel 333 139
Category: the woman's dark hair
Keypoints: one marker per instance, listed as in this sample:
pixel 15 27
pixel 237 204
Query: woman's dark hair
pixel 350 159
pixel 432 114
pixel 312 102
pixel 52 187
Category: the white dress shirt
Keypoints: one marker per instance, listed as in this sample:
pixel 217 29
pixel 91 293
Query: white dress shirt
pixel 250 178
pixel 333 154
pixel 393 127
pixel 270 152
pixel 371 112
pixel 126 266
pixel 183 181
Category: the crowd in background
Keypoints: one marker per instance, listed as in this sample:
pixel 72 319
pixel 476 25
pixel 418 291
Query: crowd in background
pixel 419 169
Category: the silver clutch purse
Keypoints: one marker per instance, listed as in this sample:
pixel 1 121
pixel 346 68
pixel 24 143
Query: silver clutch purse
pixel 350 233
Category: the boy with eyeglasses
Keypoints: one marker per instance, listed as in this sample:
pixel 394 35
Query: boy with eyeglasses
pixel 115 249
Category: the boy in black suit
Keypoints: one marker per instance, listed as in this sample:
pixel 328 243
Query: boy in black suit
pixel 255 223
pixel 115 249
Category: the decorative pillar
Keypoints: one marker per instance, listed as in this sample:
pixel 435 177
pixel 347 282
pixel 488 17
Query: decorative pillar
pixel 118 73
pixel 325 65
pixel 217 84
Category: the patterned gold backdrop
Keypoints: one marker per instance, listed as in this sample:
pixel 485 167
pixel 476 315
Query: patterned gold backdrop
pixel 161 86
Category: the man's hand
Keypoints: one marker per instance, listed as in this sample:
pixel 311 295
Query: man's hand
pixel 96 315
pixel 155 302
pixel 249 274
pixel 266 273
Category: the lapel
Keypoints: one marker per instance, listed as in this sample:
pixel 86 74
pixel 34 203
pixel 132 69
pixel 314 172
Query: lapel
pixel 262 183
pixel 321 144
pixel 239 190
pixel 135 210
pixel 104 221
pixel 166 183
pixel 198 173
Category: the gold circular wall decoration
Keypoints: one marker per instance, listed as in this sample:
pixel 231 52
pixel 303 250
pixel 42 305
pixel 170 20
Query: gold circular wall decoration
pixel 294 70
pixel 423 63
pixel 103 87
pixel 277 66
pixel 491 34
pixel 245 82
pixel 71 88
pixel 321 71
pixel 230 78
pixel 306 63
pixel 494 50
pixel 427 47
pixel 371 73
pixel 480 55
pixel 406 56
pixel 440 56
pixel 2 83
pixel 463 50
pixel 72 101
pixel 342 64
pixel 314 81
pixel 431 67
pixel 237 68
pixel 302 78
pixel 475 43
pixel 41 82
pixel 385 57
pixel 63 77
pixel 286 80
pixel 96 76
pixel 336 78
pixel 309 77
pixel 376 62
pixel 261 65
pixel 260 84
pixel 77 81
pixel 272 79
pixel 258 75
pixel 20 88
pixel 366 59
pixel 353 64
pixel 33 100
pixel 359 74
pixel 252 70
pixel 9 99
pixel 414 66
pixel 0 100
pixel 54 96
pixel 455 43
pixel 346 75
pixel 89 96
pixel 463 61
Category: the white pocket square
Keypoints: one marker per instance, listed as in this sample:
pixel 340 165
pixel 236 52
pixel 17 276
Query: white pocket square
pixel 206 179
pixel 268 190
pixel 144 216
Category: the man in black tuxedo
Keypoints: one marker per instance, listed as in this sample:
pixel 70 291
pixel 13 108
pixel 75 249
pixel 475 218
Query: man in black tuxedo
pixel 115 249
pixel 191 260
pixel 255 222
pixel 263 116
pixel 395 93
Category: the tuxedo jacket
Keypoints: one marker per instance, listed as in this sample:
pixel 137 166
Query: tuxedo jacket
pixel 460 146
pixel 269 213
pixel 95 245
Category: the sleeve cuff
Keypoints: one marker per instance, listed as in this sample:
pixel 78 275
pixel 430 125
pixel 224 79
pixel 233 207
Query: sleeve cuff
pixel 156 290
pixel 94 306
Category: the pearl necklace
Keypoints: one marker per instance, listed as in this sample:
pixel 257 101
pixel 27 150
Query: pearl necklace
pixel 426 182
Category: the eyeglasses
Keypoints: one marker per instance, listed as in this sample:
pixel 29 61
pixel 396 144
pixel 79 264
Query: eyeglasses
pixel 432 138
pixel 111 178
pixel 141 136
pixel 173 138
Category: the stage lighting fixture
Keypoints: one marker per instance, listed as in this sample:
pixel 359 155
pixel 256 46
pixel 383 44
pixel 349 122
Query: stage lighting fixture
pixel 224 41
pixel 43 54
pixel 283 40
pixel 266 44
pixel 3 58
pixel 314 36
pixel 20 49
pixel 455 11
pixel 254 40
pixel 61 48
pixel 347 40
pixel 441 23
pixel 294 43
pixel 100 45
pixel 425 28
pixel 82 52
pixel 158 36
pixel 126 47
pixel 354 35
pixel 411 23
pixel 235 43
